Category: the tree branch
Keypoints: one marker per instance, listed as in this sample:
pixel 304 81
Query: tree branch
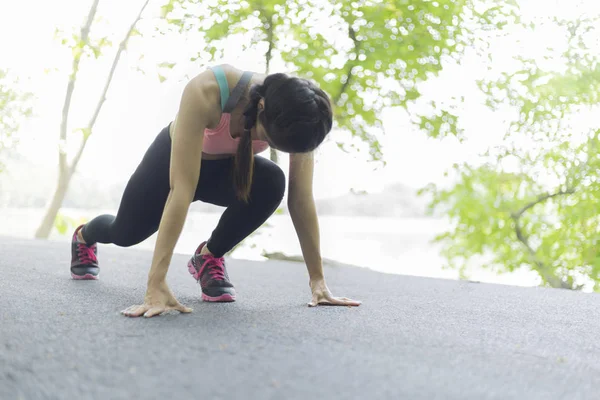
pixel 541 199
pixel 271 41
pixel 542 268
pixel 351 65
pixel 92 121
pixel 269 20
pixel 85 31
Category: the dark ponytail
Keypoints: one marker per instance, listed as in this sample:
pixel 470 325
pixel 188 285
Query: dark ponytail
pixel 244 158
pixel 297 116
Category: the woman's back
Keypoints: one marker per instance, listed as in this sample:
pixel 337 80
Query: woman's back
pixel 227 87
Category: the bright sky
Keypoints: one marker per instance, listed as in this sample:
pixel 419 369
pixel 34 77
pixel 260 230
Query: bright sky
pixel 139 106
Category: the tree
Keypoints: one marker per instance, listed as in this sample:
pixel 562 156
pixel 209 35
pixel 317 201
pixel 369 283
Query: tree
pixel 367 55
pixel 533 202
pixel 15 105
pixel 83 46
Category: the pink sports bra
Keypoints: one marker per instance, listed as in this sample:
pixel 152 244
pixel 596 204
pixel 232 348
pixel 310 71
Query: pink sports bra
pixel 219 140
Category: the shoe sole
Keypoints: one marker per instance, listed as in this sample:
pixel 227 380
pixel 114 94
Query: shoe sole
pixel 224 298
pixel 86 277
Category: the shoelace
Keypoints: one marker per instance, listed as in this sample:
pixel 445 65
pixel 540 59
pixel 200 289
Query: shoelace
pixel 86 253
pixel 215 266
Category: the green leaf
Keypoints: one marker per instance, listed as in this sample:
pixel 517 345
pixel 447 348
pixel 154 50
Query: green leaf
pixel 85 132
pixel 61 224
pixel 541 212
pixel 166 65
pixel 383 42
pixel 15 108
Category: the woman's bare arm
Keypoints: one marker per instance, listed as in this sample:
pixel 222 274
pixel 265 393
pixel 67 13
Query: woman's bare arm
pixel 186 156
pixel 301 205
pixel 302 209
pixel 196 112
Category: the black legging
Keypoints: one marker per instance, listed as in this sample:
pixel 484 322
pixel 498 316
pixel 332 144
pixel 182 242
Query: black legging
pixel 146 194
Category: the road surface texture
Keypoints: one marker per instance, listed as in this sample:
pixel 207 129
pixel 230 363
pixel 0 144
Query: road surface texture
pixel 413 338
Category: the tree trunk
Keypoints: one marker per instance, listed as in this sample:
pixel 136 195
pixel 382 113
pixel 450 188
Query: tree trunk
pixel 47 224
pixel 64 174
pixel 545 271
pixel 269 23
pixel 66 171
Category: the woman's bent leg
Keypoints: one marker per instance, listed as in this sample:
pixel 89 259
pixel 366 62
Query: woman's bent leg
pixel 238 221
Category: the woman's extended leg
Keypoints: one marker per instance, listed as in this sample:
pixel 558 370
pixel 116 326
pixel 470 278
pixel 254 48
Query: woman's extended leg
pixel 238 221
pixel 139 213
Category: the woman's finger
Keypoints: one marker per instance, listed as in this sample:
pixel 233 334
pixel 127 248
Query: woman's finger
pixel 139 311
pixel 154 311
pixel 341 301
pixel 181 308
pixel 136 311
pixel 353 302
pixel 344 301
pixel 128 309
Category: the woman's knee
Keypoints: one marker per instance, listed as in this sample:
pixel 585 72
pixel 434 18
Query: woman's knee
pixel 277 184
pixel 124 241
pixel 269 181
pixel 126 237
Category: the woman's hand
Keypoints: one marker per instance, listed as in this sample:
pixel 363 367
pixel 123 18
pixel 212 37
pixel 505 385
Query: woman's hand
pixel 158 299
pixel 322 296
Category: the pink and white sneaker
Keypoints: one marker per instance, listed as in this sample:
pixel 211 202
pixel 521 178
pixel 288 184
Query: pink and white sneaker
pixel 211 274
pixel 84 259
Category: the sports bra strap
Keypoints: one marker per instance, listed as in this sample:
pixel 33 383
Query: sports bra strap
pixel 223 86
pixel 237 92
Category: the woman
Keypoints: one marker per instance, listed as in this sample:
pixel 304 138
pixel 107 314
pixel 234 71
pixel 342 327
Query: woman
pixel 208 154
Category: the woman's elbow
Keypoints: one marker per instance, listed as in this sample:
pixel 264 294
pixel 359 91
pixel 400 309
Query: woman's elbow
pixel 182 192
pixel 299 202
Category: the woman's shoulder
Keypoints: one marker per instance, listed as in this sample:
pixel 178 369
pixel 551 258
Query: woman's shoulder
pixel 205 85
pixel 206 82
pixel 204 89
pixel 232 74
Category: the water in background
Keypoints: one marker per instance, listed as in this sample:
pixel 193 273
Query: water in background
pixel 390 245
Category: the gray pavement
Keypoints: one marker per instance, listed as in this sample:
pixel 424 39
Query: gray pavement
pixel 413 338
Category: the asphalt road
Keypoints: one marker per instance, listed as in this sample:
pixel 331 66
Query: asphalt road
pixel 413 338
